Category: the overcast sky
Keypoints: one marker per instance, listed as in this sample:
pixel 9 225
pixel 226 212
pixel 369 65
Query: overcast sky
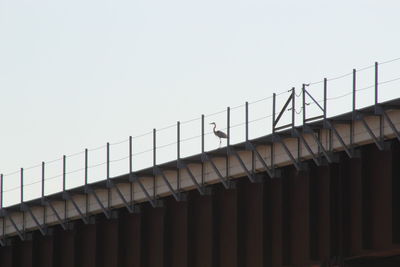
pixel 76 74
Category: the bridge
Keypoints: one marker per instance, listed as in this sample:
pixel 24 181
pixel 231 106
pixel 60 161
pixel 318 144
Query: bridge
pixel 322 193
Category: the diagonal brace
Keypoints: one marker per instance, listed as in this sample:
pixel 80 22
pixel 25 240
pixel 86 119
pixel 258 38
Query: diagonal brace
pixel 321 147
pixel 159 171
pixel 223 180
pixel 121 196
pixel 60 221
pixel 294 161
pixel 199 188
pixel 25 207
pixel 93 192
pixel 371 133
pixel 391 124
pixel 67 196
pixel 270 171
pixel 135 178
pixel 16 228
pixel 232 151
pixel 307 146
pixel 341 141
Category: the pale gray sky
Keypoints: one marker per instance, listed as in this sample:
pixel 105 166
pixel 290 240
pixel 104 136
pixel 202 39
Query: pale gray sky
pixel 76 74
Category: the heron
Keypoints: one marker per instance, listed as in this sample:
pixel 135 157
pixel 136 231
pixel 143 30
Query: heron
pixel 219 134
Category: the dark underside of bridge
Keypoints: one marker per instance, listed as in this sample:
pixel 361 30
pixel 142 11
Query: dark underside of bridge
pixel 341 214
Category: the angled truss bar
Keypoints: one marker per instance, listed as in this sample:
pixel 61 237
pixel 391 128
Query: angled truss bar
pixel 283 109
pixel 60 221
pixel 199 188
pixel 322 148
pixel 391 124
pixel 373 136
pixel 341 141
pixel 104 209
pixel 159 171
pixel 2 243
pixel 248 173
pixel 19 233
pixel 223 180
pixel 135 178
pixel 67 196
pixel 315 101
pixel 121 196
pixel 28 209
pixel 308 148
pixel 260 158
pixel 294 161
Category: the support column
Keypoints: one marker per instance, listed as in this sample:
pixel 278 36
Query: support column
pixel 64 248
pixel 153 236
pixel 201 228
pixel 42 250
pixel 107 243
pixel 22 253
pixel 177 233
pixel 6 256
pixel 299 218
pixel 227 227
pixel 130 236
pixel 276 221
pixel 252 224
pixel 85 246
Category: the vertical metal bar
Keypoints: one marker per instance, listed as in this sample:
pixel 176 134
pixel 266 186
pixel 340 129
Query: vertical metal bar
pixel 178 140
pixel 130 155
pixel 130 168
pixel 1 190
pixel 228 126
pixel 247 121
pixel 293 106
pixel 108 175
pixel 303 89
pixel 64 171
pixel 154 161
pixel 178 152
pixel 202 133
pixel 86 166
pixel 273 112
pixel 325 95
pixel 228 142
pixel 154 148
pixel 376 83
pixel 202 148
pixel 86 181
pixel 108 161
pixel 22 185
pixel 354 89
pixel 43 178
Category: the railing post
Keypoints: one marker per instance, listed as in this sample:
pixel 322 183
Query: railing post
pixel 325 96
pixel 303 89
pixel 247 121
pixel 108 161
pixel 293 106
pixel 22 185
pixel 202 133
pixel 86 166
pixel 273 111
pixel 354 90
pixel 1 190
pixel 64 171
pixel 376 83
pixel 43 178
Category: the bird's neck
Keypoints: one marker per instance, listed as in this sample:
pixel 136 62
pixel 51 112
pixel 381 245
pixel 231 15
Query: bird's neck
pixel 214 127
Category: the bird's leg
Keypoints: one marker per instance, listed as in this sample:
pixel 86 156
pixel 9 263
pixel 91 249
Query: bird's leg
pixel 220 141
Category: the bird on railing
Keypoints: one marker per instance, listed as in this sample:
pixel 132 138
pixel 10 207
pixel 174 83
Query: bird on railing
pixel 219 134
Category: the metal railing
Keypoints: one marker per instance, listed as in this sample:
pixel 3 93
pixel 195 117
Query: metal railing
pixel 313 101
